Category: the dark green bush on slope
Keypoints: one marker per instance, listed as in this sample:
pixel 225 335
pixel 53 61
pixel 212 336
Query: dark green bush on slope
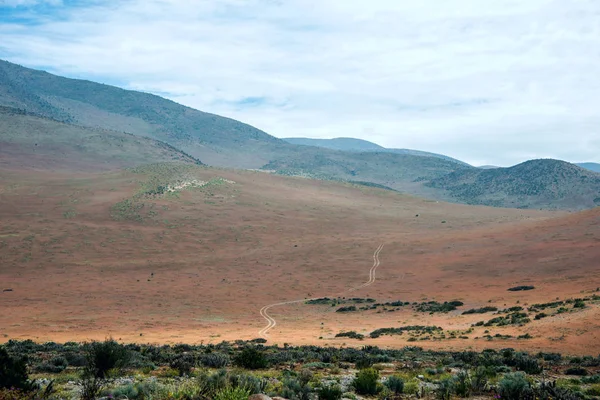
pixel 13 372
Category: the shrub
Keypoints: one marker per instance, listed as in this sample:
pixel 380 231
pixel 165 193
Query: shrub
pixel 55 365
pixel 251 358
pixel 296 389
pixel 364 362
pixel 366 381
pixel 232 393
pixel 102 357
pixel 395 384
pixel 578 371
pixel 462 384
pixel 13 372
pixel 445 389
pixel 593 391
pixel 480 377
pixel 183 364
pixel 330 392
pixel 215 360
pixel 514 386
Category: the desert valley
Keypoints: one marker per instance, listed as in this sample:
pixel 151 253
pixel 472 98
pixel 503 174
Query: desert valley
pixel 197 243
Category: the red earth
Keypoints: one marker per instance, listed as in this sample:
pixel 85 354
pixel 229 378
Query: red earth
pixel 200 264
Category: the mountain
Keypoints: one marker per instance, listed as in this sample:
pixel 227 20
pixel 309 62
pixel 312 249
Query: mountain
pixel 216 140
pixel 28 141
pixel 360 145
pixel 91 125
pixel 542 183
pixel 590 166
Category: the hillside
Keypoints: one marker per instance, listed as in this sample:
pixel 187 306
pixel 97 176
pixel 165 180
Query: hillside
pixel 400 172
pixel 360 145
pixel 32 142
pixel 590 166
pixel 216 140
pixel 533 184
pixel 198 264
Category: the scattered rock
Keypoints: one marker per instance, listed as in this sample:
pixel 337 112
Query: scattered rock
pixel 7 290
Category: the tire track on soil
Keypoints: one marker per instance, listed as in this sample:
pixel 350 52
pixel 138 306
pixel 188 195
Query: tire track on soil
pixel 271 323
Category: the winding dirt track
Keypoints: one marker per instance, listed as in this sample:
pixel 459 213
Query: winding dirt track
pixel 271 323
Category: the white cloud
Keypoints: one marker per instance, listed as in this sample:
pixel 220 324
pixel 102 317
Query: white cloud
pixel 491 82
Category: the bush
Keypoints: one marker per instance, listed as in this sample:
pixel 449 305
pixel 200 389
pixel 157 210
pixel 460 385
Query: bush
pixel 102 357
pixel 395 384
pixel 578 371
pixel 13 372
pixel 330 392
pixel 480 377
pixel 366 381
pixel 251 358
pixel 462 384
pixel 514 386
pixel 296 389
pixel 232 393
pixel 55 365
pixel 445 389
pixel 183 364
pixel 364 362
pixel 215 360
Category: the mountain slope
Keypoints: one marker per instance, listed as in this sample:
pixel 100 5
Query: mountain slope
pixel 533 184
pixel 360 145
pixel 30 141
pixel 589 166
pixel 218 140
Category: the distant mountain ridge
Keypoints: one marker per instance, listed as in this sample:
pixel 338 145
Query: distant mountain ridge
pixel 108 126
pixel 360 145
pixel 590 166
pixel 543 183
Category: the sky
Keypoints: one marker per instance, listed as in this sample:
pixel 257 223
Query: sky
pixel 488 82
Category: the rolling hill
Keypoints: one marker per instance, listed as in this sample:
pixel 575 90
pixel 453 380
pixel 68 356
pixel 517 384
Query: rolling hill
pixel 80 122
pixel 28 141
pixel 360 145
pixel 542 183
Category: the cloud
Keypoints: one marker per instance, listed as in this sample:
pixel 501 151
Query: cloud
pixel 488 82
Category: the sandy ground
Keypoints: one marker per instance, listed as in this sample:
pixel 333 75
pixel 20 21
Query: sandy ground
pixel 205 263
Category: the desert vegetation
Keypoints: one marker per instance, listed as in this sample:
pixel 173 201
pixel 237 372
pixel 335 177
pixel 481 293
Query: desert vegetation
pixel 238 370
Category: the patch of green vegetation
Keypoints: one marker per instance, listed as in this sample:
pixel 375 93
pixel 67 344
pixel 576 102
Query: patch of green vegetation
pixel 351 335
pixel 418 329
pixel 515 318
pixel 481 310
pixel 436 307
pixel 520 288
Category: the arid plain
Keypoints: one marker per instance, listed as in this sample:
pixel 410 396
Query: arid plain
pixel 199 264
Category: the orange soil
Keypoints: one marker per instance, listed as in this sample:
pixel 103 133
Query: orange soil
pixel 200 270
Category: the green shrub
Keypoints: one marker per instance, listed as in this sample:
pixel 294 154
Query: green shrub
pixel 514 386
pixel 13 372
pixel 366 381
pixel 578 371
pixel 232 393
pixel 183 364
pixel 480 378
pixel 593 391
pixel 395 384
pixel 296 389
pixel 330 392
pixel 251 358
pixel 364 362
pixel 445 389
pixel 102 357
pixel 462 384
pixel 215 360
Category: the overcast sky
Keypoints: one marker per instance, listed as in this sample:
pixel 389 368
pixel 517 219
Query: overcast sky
pixel 486 81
